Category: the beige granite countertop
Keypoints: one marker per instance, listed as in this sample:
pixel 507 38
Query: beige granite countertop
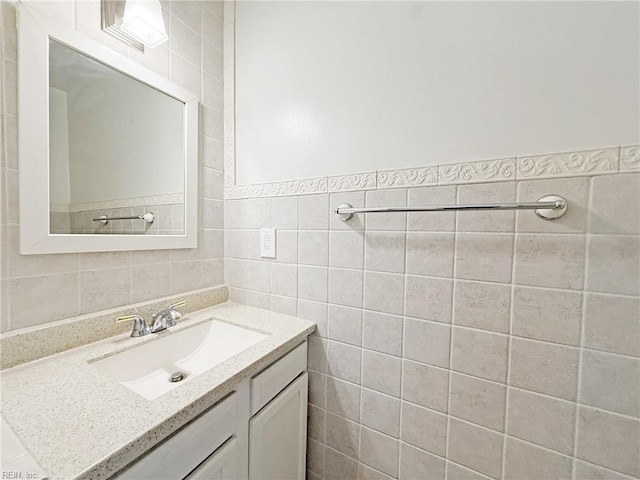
pixel 79 423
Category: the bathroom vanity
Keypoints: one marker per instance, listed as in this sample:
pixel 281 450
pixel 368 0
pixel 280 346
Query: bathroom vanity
pixel 245 417
pixel 258 432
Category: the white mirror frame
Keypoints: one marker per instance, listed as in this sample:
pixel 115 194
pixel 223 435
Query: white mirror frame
pixel 34 32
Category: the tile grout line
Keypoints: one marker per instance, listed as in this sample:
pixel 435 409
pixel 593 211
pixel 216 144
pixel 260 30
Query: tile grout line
pixel 608 469
pixel 404 313
pixel 362 350
pixel 4 257
pixel 326 446
pixel 452 320
pixel 587 242
pixel 507 391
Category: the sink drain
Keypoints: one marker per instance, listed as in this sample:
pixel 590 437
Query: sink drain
pixel 177 377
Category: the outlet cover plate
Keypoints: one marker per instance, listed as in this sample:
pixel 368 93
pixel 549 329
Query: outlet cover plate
pixel 268 243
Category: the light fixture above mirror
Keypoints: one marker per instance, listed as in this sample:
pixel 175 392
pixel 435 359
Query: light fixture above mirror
pixel 143 21
pixel 138 23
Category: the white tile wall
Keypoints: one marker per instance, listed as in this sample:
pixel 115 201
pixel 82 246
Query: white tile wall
pixel 468 345
pixel 73 284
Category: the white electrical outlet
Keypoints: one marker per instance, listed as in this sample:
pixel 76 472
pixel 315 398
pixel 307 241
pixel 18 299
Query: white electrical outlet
pixel 268 243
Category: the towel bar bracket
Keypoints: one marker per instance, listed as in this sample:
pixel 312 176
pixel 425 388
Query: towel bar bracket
pixel 554 212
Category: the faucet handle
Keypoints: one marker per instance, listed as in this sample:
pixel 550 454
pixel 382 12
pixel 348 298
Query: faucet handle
pixel 167 317
pixel 140 327
pixel 181 303
pixel 173 313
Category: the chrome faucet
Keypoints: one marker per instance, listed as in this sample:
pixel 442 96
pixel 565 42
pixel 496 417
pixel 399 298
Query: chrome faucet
pixel 167 317
pixel 161 320
pixel 140 327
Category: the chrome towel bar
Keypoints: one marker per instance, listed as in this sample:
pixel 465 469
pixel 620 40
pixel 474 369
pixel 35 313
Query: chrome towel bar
pixel 147 217
pixel 548 207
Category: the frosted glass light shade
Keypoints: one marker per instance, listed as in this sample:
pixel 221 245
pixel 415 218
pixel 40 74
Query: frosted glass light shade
pixel 143 20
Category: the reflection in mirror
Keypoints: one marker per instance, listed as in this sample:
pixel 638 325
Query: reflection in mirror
pixel 116 149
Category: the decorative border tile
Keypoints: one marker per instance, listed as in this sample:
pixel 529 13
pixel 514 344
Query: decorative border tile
pixel 408 177
pixel 257 190
pixel 307 186
pixel 591 162
pixel 358 181
pixel 162 199
pixel 630 158
pixel 229 12
pixel 500 170
pixel 228 34
pixel 229 150
pixel 229 87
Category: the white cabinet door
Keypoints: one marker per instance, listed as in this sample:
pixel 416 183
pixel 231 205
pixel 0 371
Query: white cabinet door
pixel 221 465
pixel 179 454
pixel 278 436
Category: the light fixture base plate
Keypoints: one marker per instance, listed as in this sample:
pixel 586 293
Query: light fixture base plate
pixel 112 14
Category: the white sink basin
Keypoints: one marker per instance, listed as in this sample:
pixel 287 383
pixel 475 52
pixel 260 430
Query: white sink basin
pixel 146 369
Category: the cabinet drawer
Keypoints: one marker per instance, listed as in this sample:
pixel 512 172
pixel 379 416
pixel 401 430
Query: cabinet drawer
pixel 271 381
pixel 222 464
pixel 175 457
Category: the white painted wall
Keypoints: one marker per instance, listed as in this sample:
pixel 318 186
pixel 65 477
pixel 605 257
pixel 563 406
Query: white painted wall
pixel 325 88
pixel 59 192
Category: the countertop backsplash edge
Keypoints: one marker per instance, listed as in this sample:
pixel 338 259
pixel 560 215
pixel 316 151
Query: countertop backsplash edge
pixel 32 343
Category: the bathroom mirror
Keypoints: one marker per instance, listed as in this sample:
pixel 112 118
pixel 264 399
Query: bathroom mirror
pixel 107 148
